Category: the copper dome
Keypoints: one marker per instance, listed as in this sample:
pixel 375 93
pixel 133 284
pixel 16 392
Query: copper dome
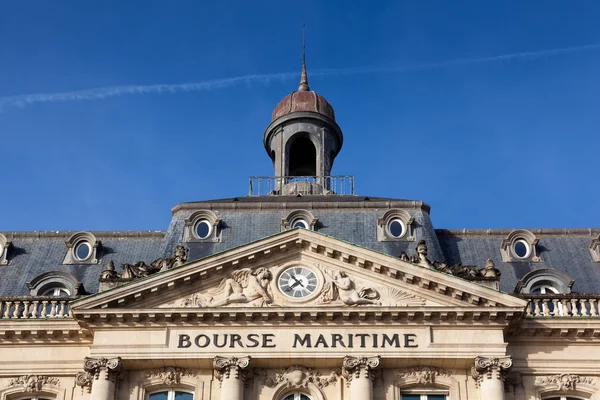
pixel 303 100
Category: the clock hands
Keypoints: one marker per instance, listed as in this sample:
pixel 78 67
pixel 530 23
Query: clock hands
pixel 295 284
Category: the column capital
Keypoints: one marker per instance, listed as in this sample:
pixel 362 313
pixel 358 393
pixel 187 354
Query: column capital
pixel 112 369
pixel 355 367
pixel 230 367
pixel 490 368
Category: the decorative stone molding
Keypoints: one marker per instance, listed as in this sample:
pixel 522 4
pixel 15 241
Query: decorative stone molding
pixel 383 231
pixel 299 215
pixel 6 248
pixel 513 380
pixel 563 382
pixel 507 247
pixel 95 247
pixel 359 367
pixel 84 379
pixel 170 375
pixel 420 375
pixel 297 376
pixel 33 383
pixel 213 222
pixel 490 368
pixel 54 279
pixel 545 276
pixel 231 367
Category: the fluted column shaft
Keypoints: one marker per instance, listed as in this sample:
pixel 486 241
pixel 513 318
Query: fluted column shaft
pixel 360 371
pixel 232 372
pixel 102 374
pixel 489 374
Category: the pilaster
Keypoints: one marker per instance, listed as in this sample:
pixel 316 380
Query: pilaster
pixel 489 374
pixel 232 372
pixel 360 372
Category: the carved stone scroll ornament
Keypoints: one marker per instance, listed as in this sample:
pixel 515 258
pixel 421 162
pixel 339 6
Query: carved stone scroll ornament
pixel 490 368
pixel 469 272
pixel 342 287
pixel 297 376
pixel 231 367
pixel 99 368
pixel 359 367
pixel 421 375
pixel 140 269
pixel 170 375
pixel 244 286
pixel 564 382
pixel 33 383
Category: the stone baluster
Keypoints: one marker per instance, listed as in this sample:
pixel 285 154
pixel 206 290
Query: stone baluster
pixel 360 372
pixel 232 372
pixel 489 374
pixel 101 375
pixel 593 309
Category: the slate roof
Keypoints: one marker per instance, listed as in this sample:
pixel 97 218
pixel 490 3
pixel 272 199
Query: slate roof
pixel 349 218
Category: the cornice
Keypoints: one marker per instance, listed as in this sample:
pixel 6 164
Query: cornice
pixel 505 232
pixel 285 316
pixel 43 331
pixel 323 204
pixel 553 329
pixel 99 234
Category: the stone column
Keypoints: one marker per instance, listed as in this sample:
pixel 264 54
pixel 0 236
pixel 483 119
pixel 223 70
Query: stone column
pixel 359 371
pixel 232 373
pixel 489 374
pixel 101 376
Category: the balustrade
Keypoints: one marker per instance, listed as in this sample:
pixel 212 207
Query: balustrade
pixel 562 305
pixel 35 307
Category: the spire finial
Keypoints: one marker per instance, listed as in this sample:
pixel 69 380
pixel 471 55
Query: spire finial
pixel 303 77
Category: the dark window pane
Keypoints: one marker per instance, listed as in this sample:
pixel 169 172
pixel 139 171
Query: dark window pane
pixel 411 397
pixel 436 397
pixel 520 249
pixel 304 397
pixel 184 396
pixel 158 396
pixel 290 397
pixel 202 229
pixel 82 251
pixel 396 228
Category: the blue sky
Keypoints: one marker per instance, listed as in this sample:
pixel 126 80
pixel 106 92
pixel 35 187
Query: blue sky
pixel 507 137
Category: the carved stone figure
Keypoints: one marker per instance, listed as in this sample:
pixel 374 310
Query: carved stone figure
pixel 420 256
pixel 489 271
pixel 170 375
pixel 242 286
pixel 140 269
pixel 423 375
pixel 564 382
pixel 343 287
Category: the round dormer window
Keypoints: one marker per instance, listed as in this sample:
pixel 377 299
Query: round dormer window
pixel 522 248
pixel 300 223
pixel 203 229
pixel 83 250
pixel 396 228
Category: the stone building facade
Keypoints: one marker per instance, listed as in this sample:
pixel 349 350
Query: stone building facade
pixel 301 290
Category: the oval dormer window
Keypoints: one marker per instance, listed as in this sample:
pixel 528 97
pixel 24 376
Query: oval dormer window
pixel 396 228
pixel 300 223
pixel 83 250
pixel 203 229
pixel 521 248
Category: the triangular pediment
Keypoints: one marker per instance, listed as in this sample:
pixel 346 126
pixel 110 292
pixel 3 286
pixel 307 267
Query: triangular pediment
pixel 268 274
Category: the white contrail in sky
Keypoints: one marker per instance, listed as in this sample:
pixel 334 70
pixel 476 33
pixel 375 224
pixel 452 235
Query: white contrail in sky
pixel 106 92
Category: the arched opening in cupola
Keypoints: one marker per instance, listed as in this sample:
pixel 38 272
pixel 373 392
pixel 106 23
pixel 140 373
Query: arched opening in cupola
pixel 303 157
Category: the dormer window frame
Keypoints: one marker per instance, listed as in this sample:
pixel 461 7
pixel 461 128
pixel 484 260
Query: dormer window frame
pixel 296 217
pixel 52 280
pixel 396 216
pixel 594 249
pixel 205 218
pixel 79 240
pixel 520 238
pixel 6 248
pixel 545 278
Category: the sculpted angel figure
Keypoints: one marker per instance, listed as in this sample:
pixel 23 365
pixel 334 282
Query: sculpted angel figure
pixel 244 286
pixel 344 288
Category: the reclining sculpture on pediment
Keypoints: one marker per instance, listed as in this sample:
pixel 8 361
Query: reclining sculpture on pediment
pixel 468 272
pixel 140 269
pixel 342 287
pixel 245 286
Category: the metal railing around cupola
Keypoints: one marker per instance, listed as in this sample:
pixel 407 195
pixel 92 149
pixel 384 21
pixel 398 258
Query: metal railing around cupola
pixel 35 307
pixel 342 185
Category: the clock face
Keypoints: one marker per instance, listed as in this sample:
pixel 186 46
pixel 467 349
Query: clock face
pixel 298 282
